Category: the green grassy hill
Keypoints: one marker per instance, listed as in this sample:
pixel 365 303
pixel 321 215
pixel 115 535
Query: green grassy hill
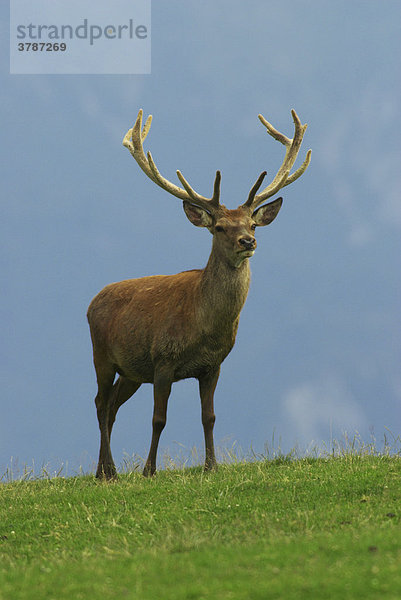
pixel 309 528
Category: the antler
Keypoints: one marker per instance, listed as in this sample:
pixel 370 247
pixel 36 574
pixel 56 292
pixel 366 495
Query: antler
pixel 283 176
pixel 134 139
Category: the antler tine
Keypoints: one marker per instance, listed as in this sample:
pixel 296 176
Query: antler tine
pixel 146 128
pixel 300 170
pixel 280 137
pixel 255 188
pixel 213 201
pixel 133 140
pixel 283 177
pixel 216 190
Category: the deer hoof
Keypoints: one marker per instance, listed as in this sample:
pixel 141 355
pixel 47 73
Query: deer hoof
pixel 210 466
pixel 106 473
pixel 149 471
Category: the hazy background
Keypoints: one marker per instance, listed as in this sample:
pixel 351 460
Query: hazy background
pixel 318 348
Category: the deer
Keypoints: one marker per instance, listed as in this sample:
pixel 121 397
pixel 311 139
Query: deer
pixel 164 328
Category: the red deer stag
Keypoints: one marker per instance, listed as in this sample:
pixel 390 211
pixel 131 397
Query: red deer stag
pixel 164 328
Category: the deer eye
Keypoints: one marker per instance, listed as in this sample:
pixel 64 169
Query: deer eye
pixel 219 228
pixel 253 226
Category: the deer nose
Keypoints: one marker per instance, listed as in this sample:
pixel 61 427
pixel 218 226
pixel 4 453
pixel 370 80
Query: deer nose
pixel 247 242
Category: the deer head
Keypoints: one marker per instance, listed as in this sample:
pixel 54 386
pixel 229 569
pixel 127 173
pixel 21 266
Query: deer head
pixel 232 229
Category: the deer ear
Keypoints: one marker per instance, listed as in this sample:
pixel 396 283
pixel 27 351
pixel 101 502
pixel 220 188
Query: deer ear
pixel 267 213
pixel 198 216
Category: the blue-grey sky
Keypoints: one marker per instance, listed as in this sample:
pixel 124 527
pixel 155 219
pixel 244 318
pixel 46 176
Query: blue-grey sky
pixel 318 348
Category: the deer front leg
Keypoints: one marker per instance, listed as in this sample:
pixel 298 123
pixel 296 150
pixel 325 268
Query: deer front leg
pixel 161 390
pixel 207 385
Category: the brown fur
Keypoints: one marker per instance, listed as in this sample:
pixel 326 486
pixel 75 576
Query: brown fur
pixel 161 329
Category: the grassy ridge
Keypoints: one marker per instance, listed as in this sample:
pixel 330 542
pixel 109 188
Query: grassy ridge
pixel 311 528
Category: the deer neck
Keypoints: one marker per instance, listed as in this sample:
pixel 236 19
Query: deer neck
pixel 224 288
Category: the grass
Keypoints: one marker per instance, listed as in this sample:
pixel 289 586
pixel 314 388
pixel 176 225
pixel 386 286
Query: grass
pixel 282 528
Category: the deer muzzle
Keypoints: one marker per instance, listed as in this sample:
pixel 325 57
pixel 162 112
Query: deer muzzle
pixel 247 243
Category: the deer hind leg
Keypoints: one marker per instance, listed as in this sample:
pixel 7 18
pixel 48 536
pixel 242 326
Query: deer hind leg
pixel 161 391
pixel 105 377
pixel 207 386
pixel 123 389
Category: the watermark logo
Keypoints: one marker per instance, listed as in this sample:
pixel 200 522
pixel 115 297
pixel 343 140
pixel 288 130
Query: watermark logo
pixel 80 37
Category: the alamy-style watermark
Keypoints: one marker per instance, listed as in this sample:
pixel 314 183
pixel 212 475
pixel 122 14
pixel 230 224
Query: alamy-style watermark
pixel 80 37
